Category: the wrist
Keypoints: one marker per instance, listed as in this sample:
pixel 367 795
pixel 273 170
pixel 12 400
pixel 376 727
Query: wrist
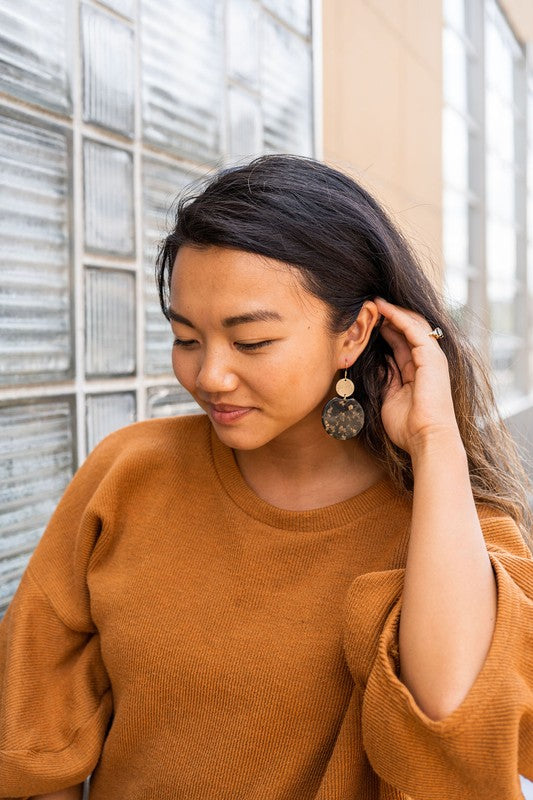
pixel 444 445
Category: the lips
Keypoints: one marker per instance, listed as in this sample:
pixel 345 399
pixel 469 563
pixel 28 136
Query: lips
pixel 224 407
pixel 222 416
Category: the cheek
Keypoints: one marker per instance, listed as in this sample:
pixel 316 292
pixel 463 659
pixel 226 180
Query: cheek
pixel 300 379
pixel 294 379
pixel 184 370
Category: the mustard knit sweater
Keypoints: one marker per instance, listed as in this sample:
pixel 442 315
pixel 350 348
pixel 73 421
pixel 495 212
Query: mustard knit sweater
pixel 182 639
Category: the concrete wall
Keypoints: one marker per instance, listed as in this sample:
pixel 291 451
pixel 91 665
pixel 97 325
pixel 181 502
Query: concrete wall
pixel 382 95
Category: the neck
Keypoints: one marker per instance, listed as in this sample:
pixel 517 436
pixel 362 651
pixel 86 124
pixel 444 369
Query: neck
pixel 305 466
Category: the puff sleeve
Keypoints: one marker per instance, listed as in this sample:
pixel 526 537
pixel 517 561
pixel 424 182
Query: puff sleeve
pixel 55 694
pixel 481 748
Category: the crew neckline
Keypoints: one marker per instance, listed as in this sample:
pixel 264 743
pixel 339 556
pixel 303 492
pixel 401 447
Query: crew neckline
pixel 316 519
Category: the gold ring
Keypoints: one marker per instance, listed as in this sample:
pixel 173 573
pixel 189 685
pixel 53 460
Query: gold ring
pixel 436 333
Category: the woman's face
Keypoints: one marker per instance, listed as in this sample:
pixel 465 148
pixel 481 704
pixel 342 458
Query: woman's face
pixel 282 368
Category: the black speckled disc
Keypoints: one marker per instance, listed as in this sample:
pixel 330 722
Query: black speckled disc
pixel 343 417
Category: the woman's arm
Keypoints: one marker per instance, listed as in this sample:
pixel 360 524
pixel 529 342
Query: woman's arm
pixel 449 596
pixel 72 793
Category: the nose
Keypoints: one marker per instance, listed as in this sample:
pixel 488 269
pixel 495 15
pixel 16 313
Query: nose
pixel 216 374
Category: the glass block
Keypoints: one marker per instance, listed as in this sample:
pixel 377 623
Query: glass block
pixel 501 255
pixel 500 187
pixel 500 122
pixel 454 70
pixel 35 220
pixel 245 129
pixel 34 54
pixel 503 350
pixel 36 464
pixel 456 287
pixel 108 194
pixel 529 166
pixel 286 90
pixel 242 30
pixel 498 60
pixel 502 306
pixel 183 77
pixel 496 16
pixel 529 210
pixel 455 229
pixel 161 185
pixel 454 13
pixel 530 110
pixel 169 401
pixel 294 12
pixel 109 322
pixel 108 71
pixel 455 149
pixel 105 413
pixel 124 7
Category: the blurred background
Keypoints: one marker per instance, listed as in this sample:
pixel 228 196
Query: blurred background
pixel 109 109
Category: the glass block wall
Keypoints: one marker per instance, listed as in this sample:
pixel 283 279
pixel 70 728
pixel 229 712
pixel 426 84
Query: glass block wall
pixel 505 197
pixel 107 110
pixel 485 197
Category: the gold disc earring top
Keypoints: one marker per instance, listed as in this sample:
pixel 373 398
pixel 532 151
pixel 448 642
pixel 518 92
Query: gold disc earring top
pixel 345 387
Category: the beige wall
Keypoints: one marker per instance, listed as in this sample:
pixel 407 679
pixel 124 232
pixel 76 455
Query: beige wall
pixel 520 16
pixel 382 98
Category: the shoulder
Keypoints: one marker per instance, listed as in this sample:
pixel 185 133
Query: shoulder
pixel 147 445
pixel 160 434
pixel 500 530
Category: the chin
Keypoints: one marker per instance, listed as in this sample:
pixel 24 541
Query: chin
pixel 254 435
pixel 244 437
pixel 239 440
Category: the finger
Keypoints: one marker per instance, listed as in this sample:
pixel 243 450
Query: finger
pixel 395 377
pixel 411 324
pixel 401 350
pixel 407 311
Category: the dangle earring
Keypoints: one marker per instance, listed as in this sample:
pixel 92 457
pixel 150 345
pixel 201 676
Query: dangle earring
pixel 343 417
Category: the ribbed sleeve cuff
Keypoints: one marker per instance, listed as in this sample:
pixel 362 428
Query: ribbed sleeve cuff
pixel 40 772
pixel 472 752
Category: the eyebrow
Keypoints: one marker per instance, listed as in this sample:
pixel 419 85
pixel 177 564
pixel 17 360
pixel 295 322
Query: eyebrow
pixel 260 315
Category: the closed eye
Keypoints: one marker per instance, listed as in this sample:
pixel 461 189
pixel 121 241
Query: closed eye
pixel 242 345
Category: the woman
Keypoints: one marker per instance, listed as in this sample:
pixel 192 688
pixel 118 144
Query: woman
pixel 321 588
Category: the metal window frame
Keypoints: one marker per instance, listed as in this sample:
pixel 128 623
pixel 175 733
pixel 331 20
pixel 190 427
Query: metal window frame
pixel 522 398
pixel 524 379
pixel 474 43
pixel 472 39
pixel 476 164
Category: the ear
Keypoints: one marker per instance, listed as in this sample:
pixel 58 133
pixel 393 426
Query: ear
pixel 353 341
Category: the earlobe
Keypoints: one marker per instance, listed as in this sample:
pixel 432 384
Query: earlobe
pixel 349 352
